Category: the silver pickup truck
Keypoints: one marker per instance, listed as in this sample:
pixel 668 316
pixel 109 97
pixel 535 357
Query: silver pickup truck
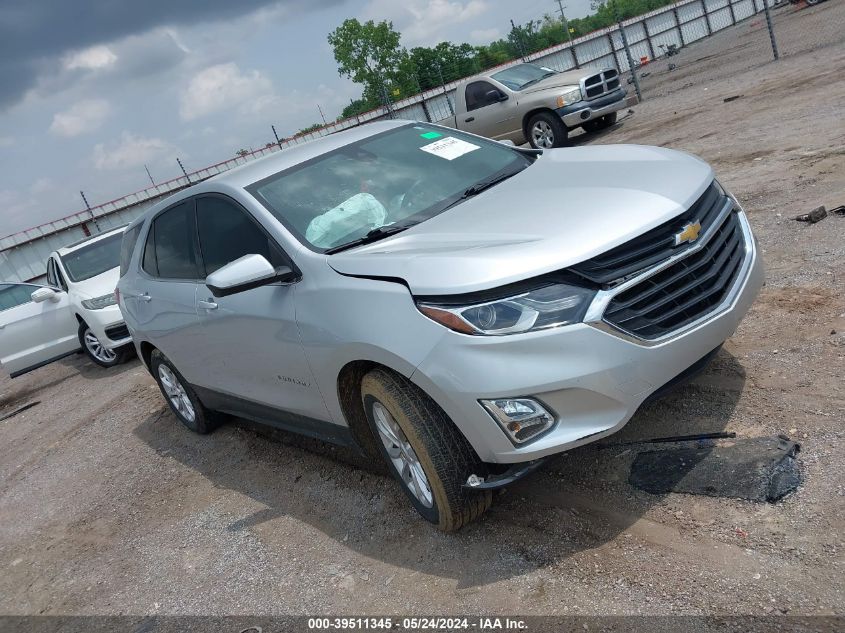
pixel 539 105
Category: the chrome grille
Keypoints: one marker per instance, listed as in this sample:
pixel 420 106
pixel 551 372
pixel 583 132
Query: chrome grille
pixel 685 291
pixel 653 246
pixel 601 84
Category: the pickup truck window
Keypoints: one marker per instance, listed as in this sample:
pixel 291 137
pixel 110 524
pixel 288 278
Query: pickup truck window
pixel 522 75
pixel 393 179
pixel 477 95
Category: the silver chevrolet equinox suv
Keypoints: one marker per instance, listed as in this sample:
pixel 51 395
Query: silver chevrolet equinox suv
pixel 460 307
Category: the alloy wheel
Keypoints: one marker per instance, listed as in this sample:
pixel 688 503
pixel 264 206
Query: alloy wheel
pixel 96 349
pixel 402 455
pixel 176 393
pixel 543 135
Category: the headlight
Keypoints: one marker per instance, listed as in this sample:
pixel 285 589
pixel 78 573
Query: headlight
pixel 550 306
pixel 98 303
pixel 573 95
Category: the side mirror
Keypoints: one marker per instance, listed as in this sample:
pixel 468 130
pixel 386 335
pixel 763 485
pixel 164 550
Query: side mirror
pixel 495 96
pixel 45 294
pixel 246 273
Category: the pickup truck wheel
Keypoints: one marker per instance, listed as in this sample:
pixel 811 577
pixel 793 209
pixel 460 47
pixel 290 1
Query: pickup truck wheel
pixel 424 450
pixel 546 130
pixel 181 397
pixel 601 123
pixel 96 351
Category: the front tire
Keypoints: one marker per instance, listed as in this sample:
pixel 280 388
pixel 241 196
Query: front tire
pixel 424 450
pixel 546 130
pixel 601 123
pixel 96 351
pixel 181 397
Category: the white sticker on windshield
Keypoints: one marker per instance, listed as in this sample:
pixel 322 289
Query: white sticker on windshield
pixel 449 148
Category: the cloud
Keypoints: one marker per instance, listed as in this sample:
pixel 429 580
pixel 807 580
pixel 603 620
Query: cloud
pixel 92 58
pixel 6 141
pixel 84 116
pixel 425 22
pixel 42 185
pixel 35 34
pixel 484 36
pixel 225 87
pixel 131 151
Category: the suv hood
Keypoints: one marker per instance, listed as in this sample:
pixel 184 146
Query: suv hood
pixel 97 286
pixel 570 205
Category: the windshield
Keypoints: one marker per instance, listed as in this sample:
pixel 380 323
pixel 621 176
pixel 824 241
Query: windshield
pixel 522 75
pixel 93 259
pixel 393 179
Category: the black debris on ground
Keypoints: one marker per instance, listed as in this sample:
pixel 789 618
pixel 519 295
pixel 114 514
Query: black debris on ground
pixel 819 213
pixel 756 469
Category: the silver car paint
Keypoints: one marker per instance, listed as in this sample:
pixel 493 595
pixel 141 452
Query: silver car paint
pixel 599 196
pixel 592 379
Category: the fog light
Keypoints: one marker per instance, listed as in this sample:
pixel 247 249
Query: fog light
pixel 523 419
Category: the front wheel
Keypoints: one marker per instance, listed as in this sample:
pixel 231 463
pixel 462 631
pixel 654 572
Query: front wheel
pixel 424 450
pixel 546 130
pixel 96 351
pixel 600 123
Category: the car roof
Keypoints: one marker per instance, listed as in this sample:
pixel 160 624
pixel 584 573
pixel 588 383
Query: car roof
pixel 64 250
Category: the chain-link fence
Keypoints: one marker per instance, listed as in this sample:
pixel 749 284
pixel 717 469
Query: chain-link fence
pixel 648 49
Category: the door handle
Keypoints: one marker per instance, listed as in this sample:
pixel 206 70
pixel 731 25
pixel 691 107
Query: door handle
pixel 146 298
pixel 469 119
pixel 208 305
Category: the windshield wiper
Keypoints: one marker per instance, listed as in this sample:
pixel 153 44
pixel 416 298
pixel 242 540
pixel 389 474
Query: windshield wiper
pixel 373 235
pixel 531 82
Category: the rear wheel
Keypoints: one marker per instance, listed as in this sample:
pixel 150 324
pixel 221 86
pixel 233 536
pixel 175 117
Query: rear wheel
pixel 96 351
pixel 600 123
pixel 424 450
pixel 546 130
pixel 181 397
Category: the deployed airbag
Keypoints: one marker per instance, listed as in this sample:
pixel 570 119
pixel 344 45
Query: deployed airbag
pixel 354 216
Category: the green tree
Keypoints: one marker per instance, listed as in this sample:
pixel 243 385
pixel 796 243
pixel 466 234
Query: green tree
pixel 370 54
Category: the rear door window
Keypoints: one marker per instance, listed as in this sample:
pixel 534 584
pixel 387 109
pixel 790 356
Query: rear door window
pixel 127 247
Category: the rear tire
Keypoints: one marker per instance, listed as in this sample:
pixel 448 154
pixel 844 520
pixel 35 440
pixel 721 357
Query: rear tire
pixel 546 130
pixel 424 450
pixel 601 123
pixel 95 350
pixel 180 396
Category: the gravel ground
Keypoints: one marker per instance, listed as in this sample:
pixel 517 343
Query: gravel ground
pixel 109 506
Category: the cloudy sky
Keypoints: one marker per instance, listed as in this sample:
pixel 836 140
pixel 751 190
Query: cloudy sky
pixel 93 90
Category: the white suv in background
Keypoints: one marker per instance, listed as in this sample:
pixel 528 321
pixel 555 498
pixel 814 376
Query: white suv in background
pixel 88 272
pixel 41 324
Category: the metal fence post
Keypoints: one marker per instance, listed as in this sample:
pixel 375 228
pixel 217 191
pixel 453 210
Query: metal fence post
pixel 445 92
pixel 648 40
pixel 680 30
pixel 630 61
pixel 731 9
pixel 771 29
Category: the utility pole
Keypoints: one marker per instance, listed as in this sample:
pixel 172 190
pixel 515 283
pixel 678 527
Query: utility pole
pixel 563 19
pixel 187 177
pixel 321 114
pixel 277 136
pixel 150 175
pixel 88 206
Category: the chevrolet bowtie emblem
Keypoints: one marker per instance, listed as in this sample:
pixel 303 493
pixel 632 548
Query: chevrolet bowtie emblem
pixel 689 233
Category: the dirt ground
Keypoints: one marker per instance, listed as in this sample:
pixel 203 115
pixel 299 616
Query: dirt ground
pixel 109 506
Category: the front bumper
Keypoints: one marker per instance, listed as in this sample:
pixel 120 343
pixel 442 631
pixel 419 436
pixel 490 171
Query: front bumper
pixel 591 376
pixel 583 111
pixel 108 326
